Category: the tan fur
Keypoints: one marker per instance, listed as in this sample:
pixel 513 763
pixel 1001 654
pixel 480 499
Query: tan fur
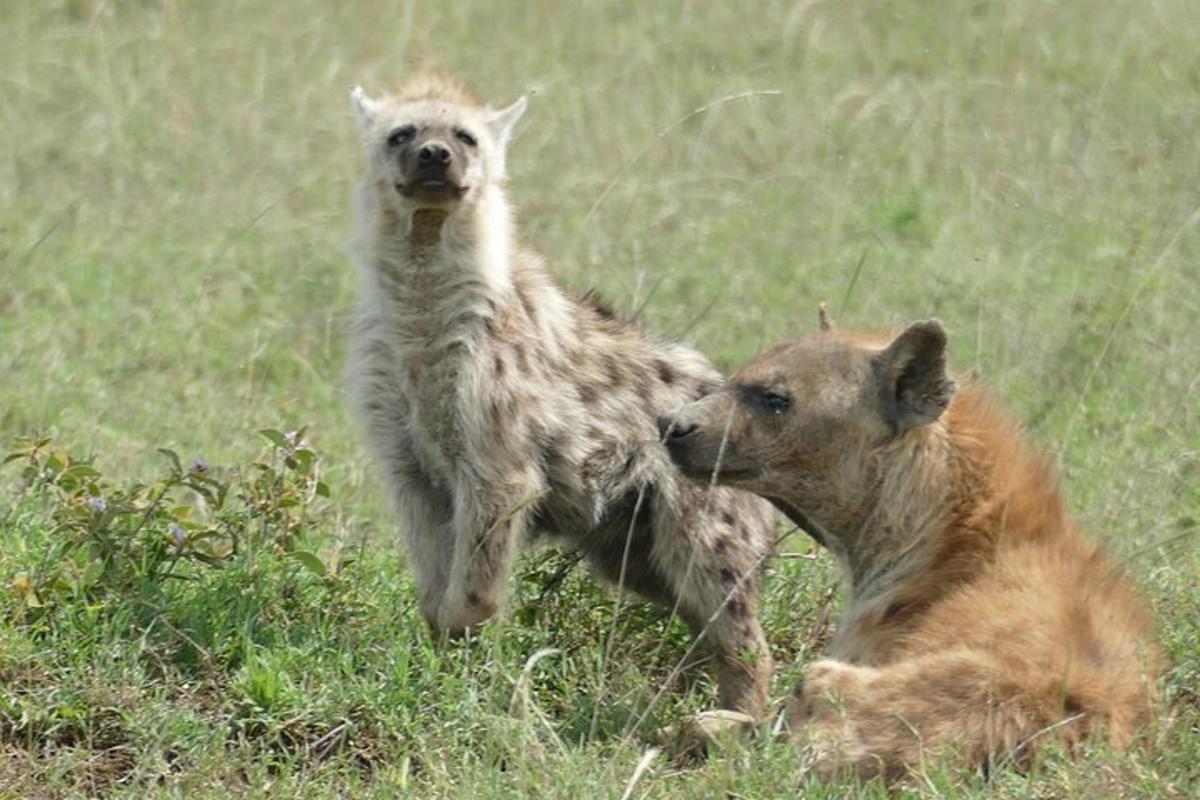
pixel 499 407
pixel 978 619
pixel 436 87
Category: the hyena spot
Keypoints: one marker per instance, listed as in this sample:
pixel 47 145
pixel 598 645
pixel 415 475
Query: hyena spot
pixel 727 518
pixel 728 575
pixel 720 546
pixel 665 373
pixel 499 366
pixel 613 370
pixel 522 358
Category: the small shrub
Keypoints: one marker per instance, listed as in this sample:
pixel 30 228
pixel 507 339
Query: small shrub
pixel 129 539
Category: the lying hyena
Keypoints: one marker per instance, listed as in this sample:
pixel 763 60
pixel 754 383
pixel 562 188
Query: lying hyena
pixel 978 617
pixel 499 406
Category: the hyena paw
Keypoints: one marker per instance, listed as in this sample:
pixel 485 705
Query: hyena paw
pixel 820 691
pixel 454 619
pixel 698 734
pixel 828 675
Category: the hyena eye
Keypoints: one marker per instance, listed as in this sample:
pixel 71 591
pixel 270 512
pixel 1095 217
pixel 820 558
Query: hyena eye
pixel 401 136
pixel 465 138
pixel 774 402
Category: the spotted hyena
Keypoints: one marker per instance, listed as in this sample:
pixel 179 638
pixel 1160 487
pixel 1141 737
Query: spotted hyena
pixel 498 406
pixel 977 618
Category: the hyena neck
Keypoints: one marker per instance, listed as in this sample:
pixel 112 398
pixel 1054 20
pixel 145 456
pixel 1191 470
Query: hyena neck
pixel 442 275
pixel 952 499
pixel 901 531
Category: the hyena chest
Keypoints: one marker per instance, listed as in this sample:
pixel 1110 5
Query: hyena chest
pixel 438 426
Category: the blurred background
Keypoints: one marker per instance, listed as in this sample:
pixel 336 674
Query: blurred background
pixel 176 177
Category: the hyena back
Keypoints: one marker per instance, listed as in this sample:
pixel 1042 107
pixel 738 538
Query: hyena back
pixel 498 406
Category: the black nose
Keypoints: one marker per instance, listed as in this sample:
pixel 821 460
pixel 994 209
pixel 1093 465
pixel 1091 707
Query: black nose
pixel 671 428
pixel 434 153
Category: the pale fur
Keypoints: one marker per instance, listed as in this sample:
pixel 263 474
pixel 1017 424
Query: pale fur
pixel 499 407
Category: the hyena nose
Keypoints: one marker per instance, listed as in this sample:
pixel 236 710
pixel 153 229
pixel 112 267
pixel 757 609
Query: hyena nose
pixel 434 153
pixel 670 428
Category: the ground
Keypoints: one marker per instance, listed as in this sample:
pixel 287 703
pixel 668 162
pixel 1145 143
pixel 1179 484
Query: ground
pixel 174 192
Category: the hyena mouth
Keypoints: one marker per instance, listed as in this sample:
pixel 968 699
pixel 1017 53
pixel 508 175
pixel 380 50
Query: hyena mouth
pixel 694 470
pixel 435 190
pixel 723 475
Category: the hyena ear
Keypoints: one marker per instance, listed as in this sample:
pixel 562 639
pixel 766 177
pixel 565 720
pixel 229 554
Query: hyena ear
pixel 824 318
pixel 914 386
pixel 502 122
pixel 365 108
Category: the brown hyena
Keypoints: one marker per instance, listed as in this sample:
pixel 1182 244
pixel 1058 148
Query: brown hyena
pixel 498 406
pixel 978 618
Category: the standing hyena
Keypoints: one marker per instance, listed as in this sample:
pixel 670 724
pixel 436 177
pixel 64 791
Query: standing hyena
pixel 978 618
pixel 498 406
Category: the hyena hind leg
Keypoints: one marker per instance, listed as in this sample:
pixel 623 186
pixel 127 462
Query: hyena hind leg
pixel 728 621
pixel 881 720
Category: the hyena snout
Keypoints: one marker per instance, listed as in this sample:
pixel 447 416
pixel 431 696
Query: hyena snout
pixel 674 428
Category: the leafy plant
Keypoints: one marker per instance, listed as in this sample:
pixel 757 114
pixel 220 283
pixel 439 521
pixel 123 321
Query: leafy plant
pixel 129 538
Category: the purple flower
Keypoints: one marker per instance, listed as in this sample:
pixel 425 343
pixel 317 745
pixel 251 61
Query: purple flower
pixel 178 534
pixel 97 504
pixel 294 438
pixel 198 466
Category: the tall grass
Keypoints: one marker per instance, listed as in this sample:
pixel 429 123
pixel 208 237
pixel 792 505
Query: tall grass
pixel 174 183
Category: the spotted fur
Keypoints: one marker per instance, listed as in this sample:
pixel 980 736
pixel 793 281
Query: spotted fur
pixel 500 407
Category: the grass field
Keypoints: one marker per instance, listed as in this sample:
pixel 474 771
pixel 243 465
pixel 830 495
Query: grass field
pixel 174 187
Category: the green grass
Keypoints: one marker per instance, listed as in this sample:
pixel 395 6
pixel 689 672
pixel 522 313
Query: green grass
pixel 174 184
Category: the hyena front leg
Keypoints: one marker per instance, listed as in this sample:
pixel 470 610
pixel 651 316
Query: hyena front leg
pixel 878 720
pixel 425 522
pixel 489 522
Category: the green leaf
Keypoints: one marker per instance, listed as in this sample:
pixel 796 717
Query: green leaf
pixel 173 458
pixel 79 472
pixel 322 489
pixel 275 437
pixel 309 561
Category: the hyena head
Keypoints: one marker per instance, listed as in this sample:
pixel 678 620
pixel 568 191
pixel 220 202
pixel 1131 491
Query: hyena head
pixel 432 145
pixel 801 423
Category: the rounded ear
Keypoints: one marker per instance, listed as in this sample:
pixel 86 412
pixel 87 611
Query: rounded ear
pixel 366 109
pixel 914 386
pixel 501 122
